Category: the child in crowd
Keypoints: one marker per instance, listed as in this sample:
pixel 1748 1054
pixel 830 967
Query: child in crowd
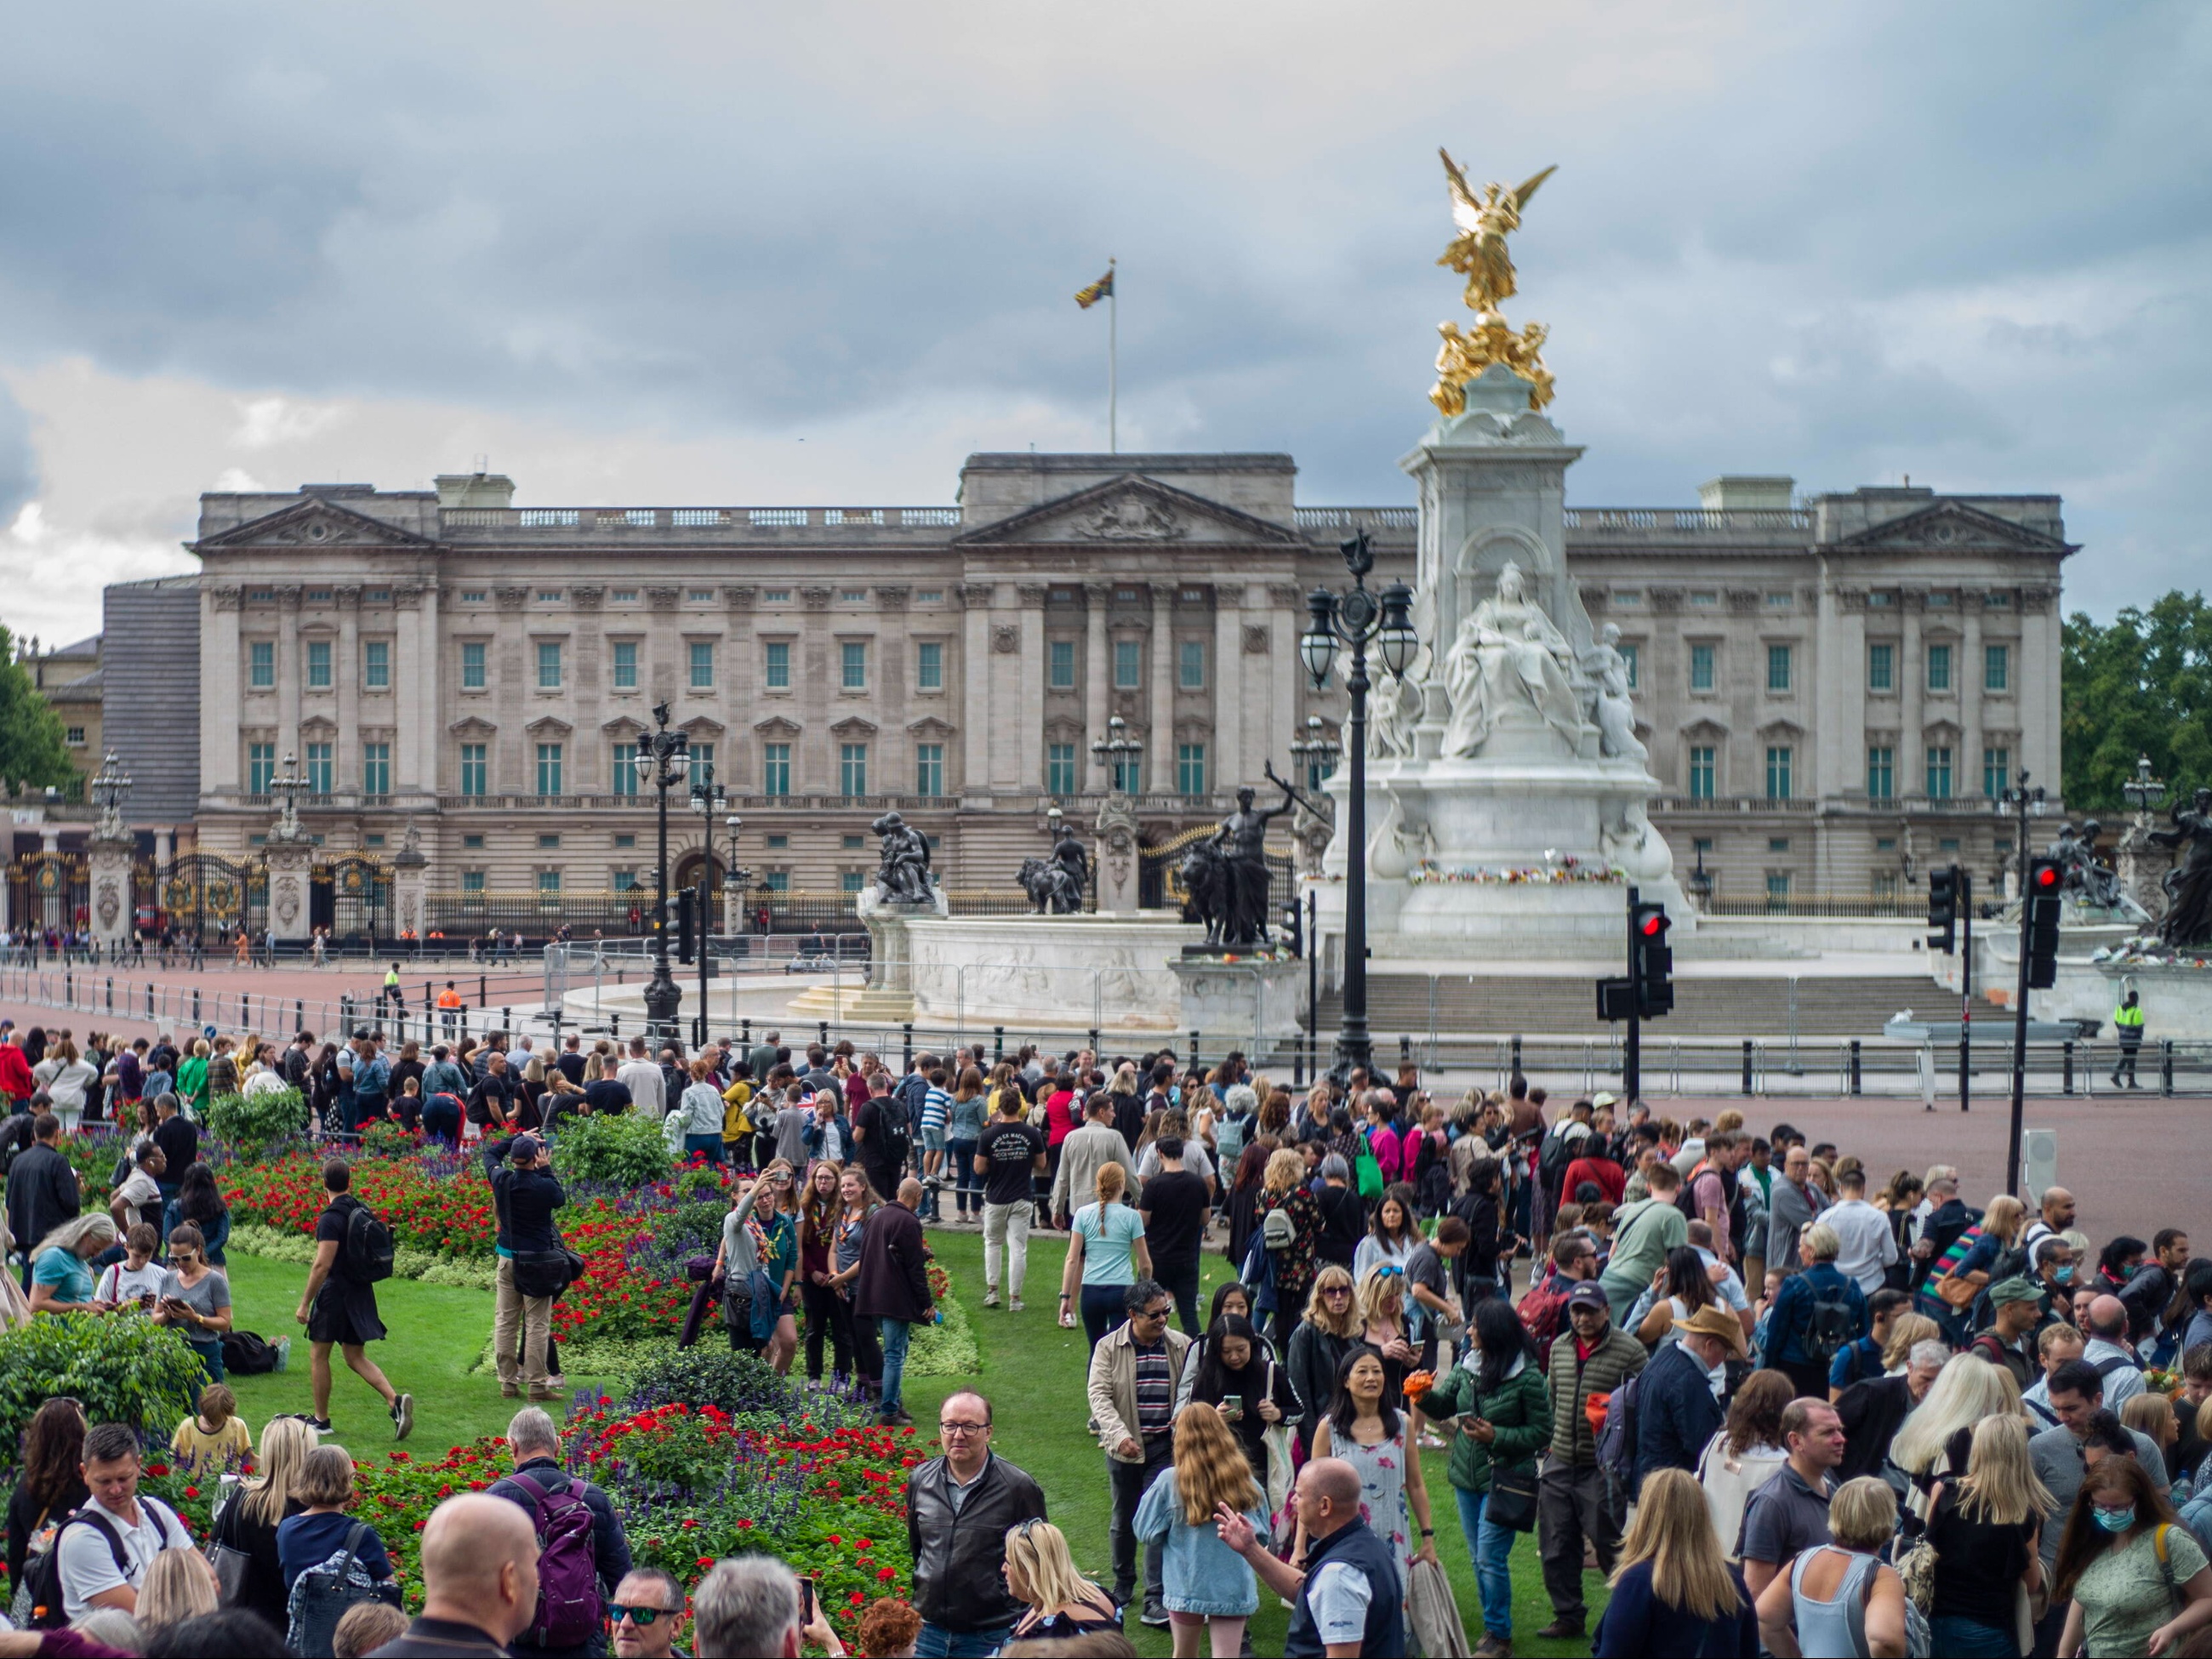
pixel 216 1441
pixel 135 1278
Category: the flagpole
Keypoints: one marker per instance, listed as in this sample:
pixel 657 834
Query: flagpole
pixel 1113 359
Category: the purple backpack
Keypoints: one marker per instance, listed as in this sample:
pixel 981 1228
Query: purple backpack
pixel 567 1565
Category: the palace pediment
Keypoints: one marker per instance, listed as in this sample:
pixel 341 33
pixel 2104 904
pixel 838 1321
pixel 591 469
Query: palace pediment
pixel 1132 509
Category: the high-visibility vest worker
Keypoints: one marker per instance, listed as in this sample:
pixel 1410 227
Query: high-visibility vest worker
pixel 2127 1020
pixel 449 998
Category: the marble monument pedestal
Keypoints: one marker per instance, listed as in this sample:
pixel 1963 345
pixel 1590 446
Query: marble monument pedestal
pixel 1239 1002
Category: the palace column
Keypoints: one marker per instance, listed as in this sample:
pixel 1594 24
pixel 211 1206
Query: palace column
pixel 1030 695
pixel 1159 746
pixel 1231 765
pixel 1097 672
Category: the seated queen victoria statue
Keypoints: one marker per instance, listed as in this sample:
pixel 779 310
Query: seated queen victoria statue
pixel 1508 653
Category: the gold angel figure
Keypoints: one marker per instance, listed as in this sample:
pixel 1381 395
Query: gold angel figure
pixel 1479 253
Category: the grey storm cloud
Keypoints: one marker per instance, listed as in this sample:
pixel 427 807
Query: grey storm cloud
pixel 1965 241
pixel 19 466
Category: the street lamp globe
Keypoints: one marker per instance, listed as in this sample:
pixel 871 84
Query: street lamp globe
pixel 1317 644
pixel 1397 643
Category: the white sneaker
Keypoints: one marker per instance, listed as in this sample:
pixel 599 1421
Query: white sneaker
pixel 1015 1305
pixel 990 1298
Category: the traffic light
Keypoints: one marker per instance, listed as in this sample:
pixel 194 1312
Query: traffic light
pixel 1651 959
pixel 687 902
pixel 1944 909
pixel 1294 926
pixel 2044 880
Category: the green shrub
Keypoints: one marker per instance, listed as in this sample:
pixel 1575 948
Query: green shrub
pixel 122 1366
pixel 620 1148
pixel 250 1124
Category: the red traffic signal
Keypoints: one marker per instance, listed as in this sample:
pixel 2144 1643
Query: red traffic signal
pixel 1654 924
pixel 2044 876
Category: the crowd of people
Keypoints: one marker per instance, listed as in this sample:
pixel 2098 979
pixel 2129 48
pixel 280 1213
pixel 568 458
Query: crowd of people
pixel 1780 1406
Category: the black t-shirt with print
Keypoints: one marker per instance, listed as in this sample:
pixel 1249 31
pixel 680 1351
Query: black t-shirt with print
pixel 1012 1149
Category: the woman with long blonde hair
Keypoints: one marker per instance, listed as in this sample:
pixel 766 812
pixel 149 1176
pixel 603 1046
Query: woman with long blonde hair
pixel 1062 1603
pixel 1673 1590
pixel 248 1523
pixel 179 1585
pixel 1984 1525
pixel 1283 1186
pixel 1207 1588
pixel 1382 1327
pixel 1937 1437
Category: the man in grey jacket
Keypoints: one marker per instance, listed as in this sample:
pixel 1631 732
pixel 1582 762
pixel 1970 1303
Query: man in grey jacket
pixel 1795 1202
pixel 1087 1150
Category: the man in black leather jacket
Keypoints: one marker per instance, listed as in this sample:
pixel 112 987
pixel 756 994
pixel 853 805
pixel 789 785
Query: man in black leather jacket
pixel 957 1510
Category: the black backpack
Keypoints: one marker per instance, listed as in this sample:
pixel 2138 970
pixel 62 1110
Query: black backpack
pixel 1551 1160
pixel 44 1577
pixel 247 1354
pixel 368 1247
pixel 1829 1330
pixel 892 1126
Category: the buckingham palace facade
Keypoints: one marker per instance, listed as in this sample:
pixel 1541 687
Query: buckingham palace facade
pixel 1831 688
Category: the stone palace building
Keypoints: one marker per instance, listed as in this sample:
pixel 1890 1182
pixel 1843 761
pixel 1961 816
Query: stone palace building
pixel 1831 689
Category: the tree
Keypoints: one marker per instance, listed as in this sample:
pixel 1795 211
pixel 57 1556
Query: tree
pixel 2141 685
pixel 32 749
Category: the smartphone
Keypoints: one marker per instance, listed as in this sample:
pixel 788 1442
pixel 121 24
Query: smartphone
pixel 805 1600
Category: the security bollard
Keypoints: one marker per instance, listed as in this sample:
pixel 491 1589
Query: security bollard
pixel 1747 1066
pixel 1858 1076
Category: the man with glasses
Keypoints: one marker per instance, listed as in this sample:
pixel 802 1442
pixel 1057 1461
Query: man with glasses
pixel 1572 1509
pixel 646 1613
pixel 1135 1372
pixel 958 1508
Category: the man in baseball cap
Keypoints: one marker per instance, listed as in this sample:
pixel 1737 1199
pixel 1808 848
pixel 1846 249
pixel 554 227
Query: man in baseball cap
pixel 1589 1360
pixel 524 1194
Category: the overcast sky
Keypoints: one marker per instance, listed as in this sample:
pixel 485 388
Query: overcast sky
pixel 660 254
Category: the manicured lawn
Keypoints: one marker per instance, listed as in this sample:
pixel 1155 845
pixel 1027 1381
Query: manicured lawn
pixel 1032 1370
pixel 438 1331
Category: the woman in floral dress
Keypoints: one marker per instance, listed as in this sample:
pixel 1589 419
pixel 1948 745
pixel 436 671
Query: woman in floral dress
pixel 1377 1441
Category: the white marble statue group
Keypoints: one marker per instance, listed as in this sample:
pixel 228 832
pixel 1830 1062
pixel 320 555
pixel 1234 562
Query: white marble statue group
pixel 1508 654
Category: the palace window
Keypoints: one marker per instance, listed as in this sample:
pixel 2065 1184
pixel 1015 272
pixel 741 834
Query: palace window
pixel 1060 768
pixel 1190 768
pixel 702 664
pixel 1701 771
pixel 1778 668
pixel 1939 771
pixel 1628 660
pixel 1996 771
pixel 1881 773
pixel 1129 664
pixel 700 773
pixel 1939 668
pixel 929 666
pixel 853 769
pixel 376 665
pixel 775 768
pixel 548 768
pixel 473 773
pixel 376 769
pixel 625 768
pixel 318 665
pixel 625 665
pixel 260 766
pixel 319 769
pixel 1779 759
pixel 548 665
pixel 472 664
pixel 1997 668
pixel 1190 666
pixel 261 664
pixel 929 769
pixel 1059 671
pixel 779 665
pixel 1701 668
pixel 853 665
pixel 1882 668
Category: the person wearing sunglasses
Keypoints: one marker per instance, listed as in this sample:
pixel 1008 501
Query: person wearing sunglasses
pixel 1136 1370
pixel 647 1612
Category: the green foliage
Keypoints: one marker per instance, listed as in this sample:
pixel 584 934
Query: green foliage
pixel 384 1138
pixel 2141 685
pixel 33 747
pixel 250 1124
pixel 620 1147
pixel 122 1366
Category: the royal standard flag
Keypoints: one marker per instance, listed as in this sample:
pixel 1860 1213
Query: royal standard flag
pixel 1099 290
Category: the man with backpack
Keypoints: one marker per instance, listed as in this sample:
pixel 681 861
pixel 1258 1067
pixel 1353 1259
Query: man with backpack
pixel 884 1133
pixel 353 1250
pixel 101 1554
pixel 1816 1314
pixel 582 1551
pixel 1591 1360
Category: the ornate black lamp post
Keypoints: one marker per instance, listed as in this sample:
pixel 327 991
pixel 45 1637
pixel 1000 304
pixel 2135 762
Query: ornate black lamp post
pixel 1118 751
pixel 709 798
pixel 1356 617
pixel 662 757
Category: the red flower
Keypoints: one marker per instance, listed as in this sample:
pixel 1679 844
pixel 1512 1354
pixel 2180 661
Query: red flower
pixel 192 1491
pixel 887 1574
